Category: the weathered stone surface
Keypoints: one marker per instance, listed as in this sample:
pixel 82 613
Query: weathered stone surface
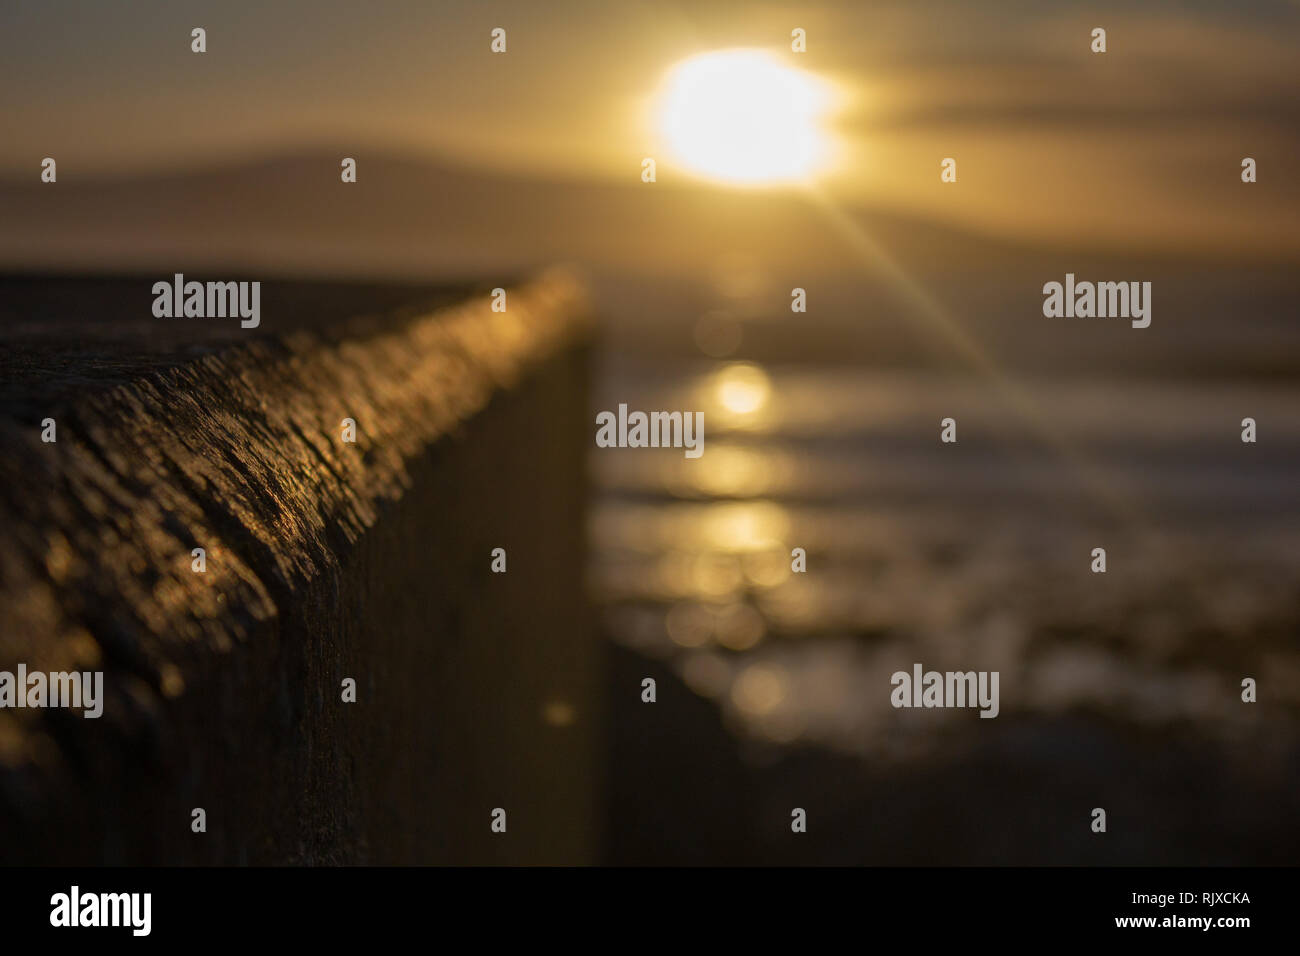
pixel 325 560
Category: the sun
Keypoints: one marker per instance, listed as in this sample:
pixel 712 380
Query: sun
pixel 743 117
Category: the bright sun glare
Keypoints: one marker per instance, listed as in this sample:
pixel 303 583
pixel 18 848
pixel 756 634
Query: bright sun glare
pixel 744 117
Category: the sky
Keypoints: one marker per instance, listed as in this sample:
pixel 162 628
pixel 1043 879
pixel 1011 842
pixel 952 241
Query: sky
pixel 1050 138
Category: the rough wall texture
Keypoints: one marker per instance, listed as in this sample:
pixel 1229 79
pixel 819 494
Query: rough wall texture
pixel 325 560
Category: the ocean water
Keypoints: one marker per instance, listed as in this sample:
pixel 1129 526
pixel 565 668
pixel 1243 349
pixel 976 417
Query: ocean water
pixel 973 555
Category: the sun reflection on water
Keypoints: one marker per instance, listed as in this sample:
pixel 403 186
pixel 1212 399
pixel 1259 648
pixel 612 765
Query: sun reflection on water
pixel 692 565
pixel 737 397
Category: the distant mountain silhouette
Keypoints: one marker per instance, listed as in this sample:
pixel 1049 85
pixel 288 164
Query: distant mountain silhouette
pixel 416 216
pixel 659 255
